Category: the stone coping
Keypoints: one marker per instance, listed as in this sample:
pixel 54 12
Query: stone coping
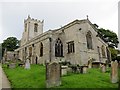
pixel 63 67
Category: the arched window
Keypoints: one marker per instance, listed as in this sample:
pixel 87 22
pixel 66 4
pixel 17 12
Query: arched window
pixel 41 50
pixel 89 40
pixel 35 27
pixel 103 51
pixel 58 48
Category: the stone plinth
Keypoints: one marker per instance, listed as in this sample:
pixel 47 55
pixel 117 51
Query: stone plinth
pixel 64 70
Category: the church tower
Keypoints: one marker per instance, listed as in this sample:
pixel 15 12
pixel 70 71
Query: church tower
pixel 32 28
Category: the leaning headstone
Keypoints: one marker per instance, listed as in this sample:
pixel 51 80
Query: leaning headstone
pixel 12 65
pixel 27 64
pixel 53 74
pixel 64 70
pixel 103 68
pixel 114 71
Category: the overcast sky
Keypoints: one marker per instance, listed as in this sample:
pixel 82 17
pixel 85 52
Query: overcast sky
pixel 56 14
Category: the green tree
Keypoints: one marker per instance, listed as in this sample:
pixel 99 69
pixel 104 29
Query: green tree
pixel 118 57
pixel 114 53
pixel 109 37
pixel 11 43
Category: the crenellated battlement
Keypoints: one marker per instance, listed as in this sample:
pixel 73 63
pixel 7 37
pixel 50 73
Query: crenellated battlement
pixel 32 19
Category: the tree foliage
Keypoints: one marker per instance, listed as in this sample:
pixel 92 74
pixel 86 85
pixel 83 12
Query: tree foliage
pixel 109 37
pixel 113 53
pixel 118 56
pixel 11 43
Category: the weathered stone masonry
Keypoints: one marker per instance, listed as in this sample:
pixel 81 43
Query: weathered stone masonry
pixel 76 42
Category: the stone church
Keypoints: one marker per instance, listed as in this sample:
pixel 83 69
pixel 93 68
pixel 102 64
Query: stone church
pixel 77 42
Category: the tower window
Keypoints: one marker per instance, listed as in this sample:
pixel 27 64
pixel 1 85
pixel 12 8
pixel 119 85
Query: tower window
pixel 58 48
pixel 35 27
pixel 71 47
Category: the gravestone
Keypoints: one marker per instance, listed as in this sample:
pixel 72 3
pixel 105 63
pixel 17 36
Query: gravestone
pixel 64 70
pixel 84 69
pixel 27 64
pixel 114 71
pixel 12 65
pixel 103 68
pixel 53 74
pixel 90 64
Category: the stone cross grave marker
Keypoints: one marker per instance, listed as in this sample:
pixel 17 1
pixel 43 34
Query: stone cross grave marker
pixel 114 71
pixel 53 74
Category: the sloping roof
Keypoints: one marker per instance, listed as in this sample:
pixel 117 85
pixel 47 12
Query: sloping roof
pixel 78 22
pixel 71 24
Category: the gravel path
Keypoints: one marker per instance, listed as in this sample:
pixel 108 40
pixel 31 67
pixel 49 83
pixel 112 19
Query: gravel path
pixel 4 83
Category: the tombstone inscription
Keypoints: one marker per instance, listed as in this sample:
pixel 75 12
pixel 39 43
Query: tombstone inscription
pixel 53 74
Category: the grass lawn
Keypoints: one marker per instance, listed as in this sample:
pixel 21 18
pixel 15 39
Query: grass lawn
pixel 35 78
pixel 22 78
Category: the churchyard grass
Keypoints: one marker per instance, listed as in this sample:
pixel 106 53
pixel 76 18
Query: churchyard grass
pixel 23 78
pixel 35 78
pixel 93 79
